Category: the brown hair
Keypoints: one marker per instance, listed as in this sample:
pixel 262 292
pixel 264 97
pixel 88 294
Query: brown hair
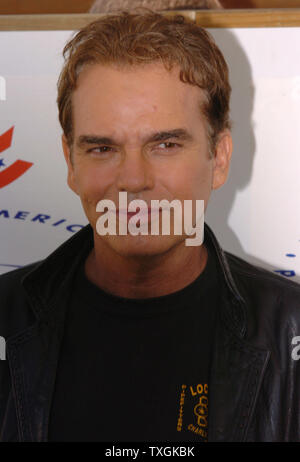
pixel 145 37
pixel 106 6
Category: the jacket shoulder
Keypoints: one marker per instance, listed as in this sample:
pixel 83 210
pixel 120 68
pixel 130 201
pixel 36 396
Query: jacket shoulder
pixel 272 301
pixel 16 275
pixel 260 277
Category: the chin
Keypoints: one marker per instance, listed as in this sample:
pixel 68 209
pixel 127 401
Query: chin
pixel 142 246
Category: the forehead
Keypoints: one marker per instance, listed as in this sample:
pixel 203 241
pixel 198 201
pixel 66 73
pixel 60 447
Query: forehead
pixel 132 95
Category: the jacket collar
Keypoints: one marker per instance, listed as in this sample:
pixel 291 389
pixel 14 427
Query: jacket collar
pixel 51 277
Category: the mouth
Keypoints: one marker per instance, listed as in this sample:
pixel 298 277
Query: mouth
pixel 144 213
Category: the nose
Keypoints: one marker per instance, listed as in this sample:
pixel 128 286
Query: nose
pixel 135 173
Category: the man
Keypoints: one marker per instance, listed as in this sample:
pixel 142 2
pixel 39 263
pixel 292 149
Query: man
pixel 140 337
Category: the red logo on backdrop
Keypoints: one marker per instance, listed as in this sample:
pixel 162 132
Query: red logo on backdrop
pixel 14 171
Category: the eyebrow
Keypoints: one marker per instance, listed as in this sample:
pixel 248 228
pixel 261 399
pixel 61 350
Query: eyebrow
pixel 178 133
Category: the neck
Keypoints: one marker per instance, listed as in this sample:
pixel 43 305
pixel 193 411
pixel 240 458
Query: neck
pixel 152 276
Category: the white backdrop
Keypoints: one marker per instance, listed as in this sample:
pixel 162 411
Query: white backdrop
pixel 255 215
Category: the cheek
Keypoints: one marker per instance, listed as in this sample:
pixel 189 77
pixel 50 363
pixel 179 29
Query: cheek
pixel 201 177
pixel 92 182
pixel 192 182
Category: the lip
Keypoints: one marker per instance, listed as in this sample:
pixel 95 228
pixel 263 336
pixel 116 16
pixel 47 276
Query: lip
pixel 141 212
pixel 144 214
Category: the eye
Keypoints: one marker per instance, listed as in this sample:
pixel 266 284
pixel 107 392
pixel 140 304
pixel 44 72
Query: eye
pixel 168 145
pixel 100 149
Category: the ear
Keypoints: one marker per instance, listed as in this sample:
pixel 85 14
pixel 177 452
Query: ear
pixel 222 159
pixel 71 175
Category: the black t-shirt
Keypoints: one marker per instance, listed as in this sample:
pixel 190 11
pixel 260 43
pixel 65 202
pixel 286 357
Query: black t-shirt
pixel 136 369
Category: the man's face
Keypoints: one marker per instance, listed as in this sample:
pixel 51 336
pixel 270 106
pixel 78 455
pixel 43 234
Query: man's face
pixel 140 130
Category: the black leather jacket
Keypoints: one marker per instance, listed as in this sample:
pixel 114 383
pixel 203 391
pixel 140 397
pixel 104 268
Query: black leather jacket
pixel 254 383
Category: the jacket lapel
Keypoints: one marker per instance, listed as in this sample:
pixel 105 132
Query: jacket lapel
pixel 33 357
pixel 34 353
pixel 236 375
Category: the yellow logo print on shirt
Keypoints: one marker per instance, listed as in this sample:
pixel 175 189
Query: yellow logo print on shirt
pixel 196 413
pixel 200 425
